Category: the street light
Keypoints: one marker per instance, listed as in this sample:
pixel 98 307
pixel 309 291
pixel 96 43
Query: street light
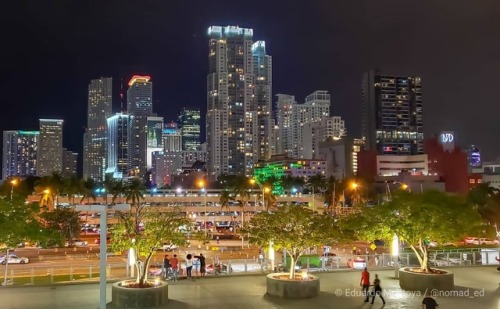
pixel 201 185
pixel 263 189
pixel 13 182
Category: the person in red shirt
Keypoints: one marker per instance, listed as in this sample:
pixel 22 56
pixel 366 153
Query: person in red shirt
pixel 365 283
pixel 174 264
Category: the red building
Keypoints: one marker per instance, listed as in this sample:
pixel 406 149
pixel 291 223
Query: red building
pixel 451 166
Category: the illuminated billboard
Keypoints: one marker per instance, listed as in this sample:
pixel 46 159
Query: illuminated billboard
pixel 155 128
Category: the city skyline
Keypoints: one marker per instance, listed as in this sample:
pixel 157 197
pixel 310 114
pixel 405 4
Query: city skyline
pixel 456 59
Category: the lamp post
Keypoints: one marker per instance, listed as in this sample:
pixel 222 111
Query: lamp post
pixel 13 182
pixel 264 190
pixel 395 254
pixel 201 185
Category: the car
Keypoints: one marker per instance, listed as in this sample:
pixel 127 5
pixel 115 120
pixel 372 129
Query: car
pixel 14 259
pixel 77 243
pixel 486 241
pixel 471 240
pixel 169 247
pixel 218 269
pixel 98 240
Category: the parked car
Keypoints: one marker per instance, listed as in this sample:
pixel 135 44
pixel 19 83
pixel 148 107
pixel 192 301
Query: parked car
pixel 471 240
pixel 169 247
pixel 14 259
pixel 218 269
pixel 76 243
pixel 486 241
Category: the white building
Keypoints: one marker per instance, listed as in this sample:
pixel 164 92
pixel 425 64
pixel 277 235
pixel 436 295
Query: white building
pixel 393 165
pixel 313 133
pixel 95 136
pixel 238 100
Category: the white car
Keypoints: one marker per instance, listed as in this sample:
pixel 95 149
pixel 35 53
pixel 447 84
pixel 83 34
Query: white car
pixel 77 243
pixel 14 259
pixel 486 241
pixel 169 247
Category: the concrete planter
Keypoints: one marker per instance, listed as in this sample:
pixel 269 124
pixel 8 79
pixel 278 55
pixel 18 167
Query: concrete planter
pixel 286 288
pixel 414 281
pixel 124 297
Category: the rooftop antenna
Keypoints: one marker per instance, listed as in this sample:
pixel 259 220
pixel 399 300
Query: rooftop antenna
pixel 121 95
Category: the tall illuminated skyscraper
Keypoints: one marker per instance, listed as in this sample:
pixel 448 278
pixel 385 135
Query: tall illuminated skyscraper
pixel 50 150
pixel 139 107
pixel 19 153
pixel 118 137
pixel 392 114
pixel 95 137
pixel 235 99
pixel 189 123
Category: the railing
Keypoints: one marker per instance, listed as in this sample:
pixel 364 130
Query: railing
pixel 38 275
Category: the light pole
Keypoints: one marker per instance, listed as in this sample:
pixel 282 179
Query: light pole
pixel 13 182
pixel 201 185
pixel 264 191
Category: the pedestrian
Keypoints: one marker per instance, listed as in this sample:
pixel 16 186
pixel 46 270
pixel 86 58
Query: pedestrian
pixel 201 258
pixel 166 266
pixel 376 259
pixel 354 250
pixel 428 302
pixel 377 290
pixel 189 266
pixel 174 264
pixel 217 239
pixel 261 258
pixel 365 283
pixel 498 260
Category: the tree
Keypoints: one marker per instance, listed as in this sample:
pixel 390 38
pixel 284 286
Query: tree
pixel 417 219
pixel 65 222
pixel 487 200
pixel 88 190
pixel 20 223
pixel 145 238
pixel 293 228
pixel 315 182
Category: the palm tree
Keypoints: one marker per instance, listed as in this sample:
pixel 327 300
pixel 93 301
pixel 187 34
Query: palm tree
pixel 134 194
pixel 330 192
pixel 224 199
pixel 118 189
pixel 72 186
pixel 314 183
pixel 88 190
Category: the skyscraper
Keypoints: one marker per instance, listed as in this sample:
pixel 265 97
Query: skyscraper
pixel 263 71
pixel 118 131
pixel 19 153
pixel 139 107
pixel 189 123
pixel 70 162
pixel 392 114
pixel 291 119
pixel 95 137
pixel 50 150
pixel 232 113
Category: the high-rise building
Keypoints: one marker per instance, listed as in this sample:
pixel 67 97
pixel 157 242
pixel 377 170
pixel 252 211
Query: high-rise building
pixel 292 118
pixel 139 107
pixel 70 163
pixel 95 137
pixel 49 150
pixel 172 138
pixel 232 113
pixel 19 153
pixel 189 123
pixel 118 132
pixel 392 114
pixel 263 71
pixel 473 157
pixel 313 133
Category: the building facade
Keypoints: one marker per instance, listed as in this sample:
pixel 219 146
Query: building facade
pixel 70 163
pixel 19 153
pixel 232 114
pixel 190 128
pixel 118 128
pixel 50 149
pixel 392 114
pixel 172 138
pixel 95 138
pixel 139 107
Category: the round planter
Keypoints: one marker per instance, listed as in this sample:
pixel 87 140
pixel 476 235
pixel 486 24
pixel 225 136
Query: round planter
pixel 414 281
pixel 286 288
pixel 152 297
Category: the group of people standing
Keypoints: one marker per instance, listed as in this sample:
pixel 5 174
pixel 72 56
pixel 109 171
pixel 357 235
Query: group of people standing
pixel 171 266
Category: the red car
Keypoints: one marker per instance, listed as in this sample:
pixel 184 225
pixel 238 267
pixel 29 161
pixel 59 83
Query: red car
pixel 98 240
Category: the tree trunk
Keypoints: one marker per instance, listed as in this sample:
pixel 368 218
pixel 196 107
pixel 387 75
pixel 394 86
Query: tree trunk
pixel 293 262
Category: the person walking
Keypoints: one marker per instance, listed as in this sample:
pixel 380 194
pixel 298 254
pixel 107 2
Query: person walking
pixel 365 283
pixel 201 258
pixel 166 266
pixel 377 290
pixel 189 266
pixel 428 302
pixel 174 264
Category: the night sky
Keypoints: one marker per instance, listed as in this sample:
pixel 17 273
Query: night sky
pixel 50 50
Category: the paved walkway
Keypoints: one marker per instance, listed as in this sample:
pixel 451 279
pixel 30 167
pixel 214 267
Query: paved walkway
pixel 248 292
